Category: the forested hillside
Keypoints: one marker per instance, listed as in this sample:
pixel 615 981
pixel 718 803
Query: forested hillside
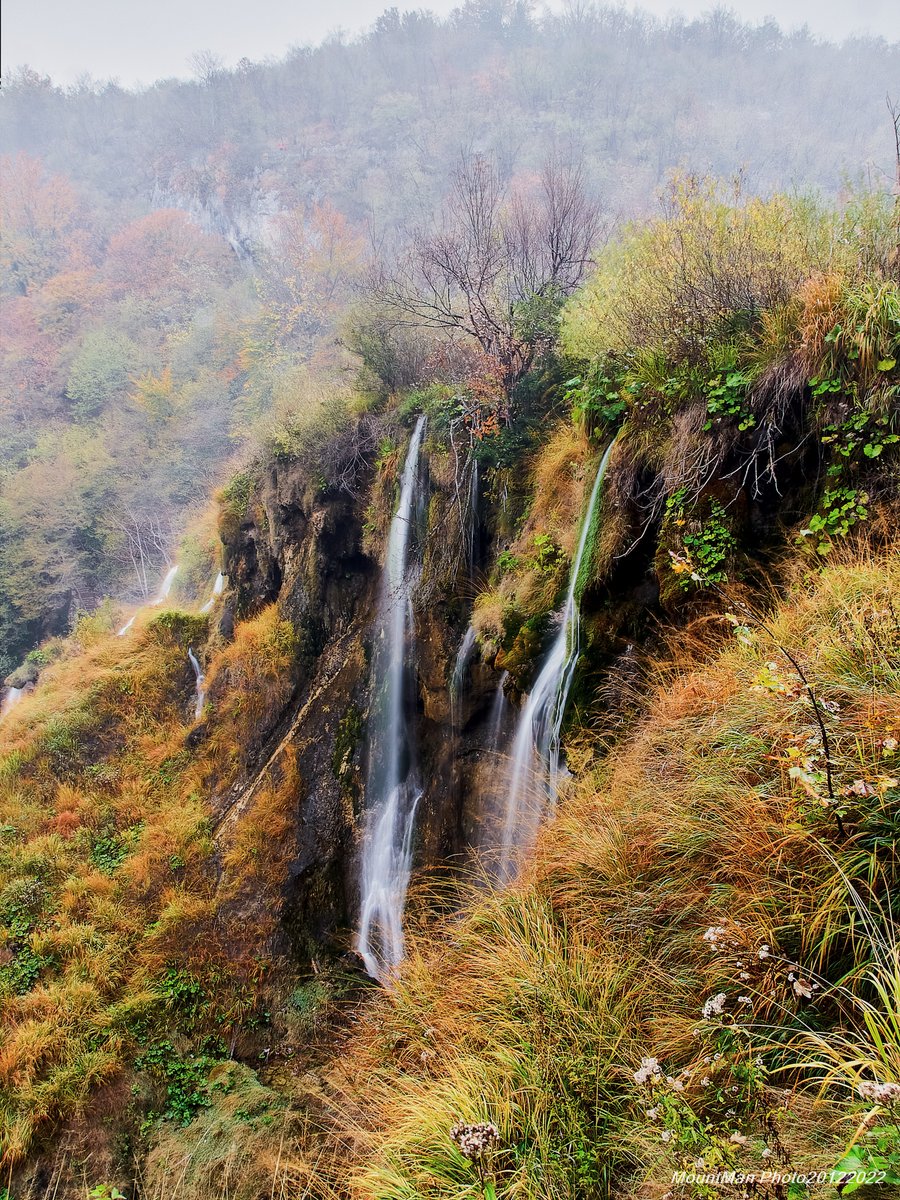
pixel 174 261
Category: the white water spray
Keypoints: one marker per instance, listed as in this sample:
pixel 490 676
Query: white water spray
pixel 164 588
pixel 200 689
pixel 535 758
pixel 392 790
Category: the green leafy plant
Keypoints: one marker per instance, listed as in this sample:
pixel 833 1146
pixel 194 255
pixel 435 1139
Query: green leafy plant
pixel 727 397
pixel 548 554
pixel 840 509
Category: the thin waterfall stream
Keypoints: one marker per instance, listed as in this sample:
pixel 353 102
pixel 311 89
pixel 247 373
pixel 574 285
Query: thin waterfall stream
pixel 218 589
pixel 200 689
pixel 535 756
pixel 164 590
pixel 393 789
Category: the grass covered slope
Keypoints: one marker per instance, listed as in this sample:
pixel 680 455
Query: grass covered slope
pixel 119 946
pixel 700 971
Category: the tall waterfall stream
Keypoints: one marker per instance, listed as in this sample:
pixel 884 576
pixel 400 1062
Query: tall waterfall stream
pixel 535 756
pixel 393 788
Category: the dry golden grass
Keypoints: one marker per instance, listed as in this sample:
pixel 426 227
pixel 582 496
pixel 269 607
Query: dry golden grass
pixel 106 865
pixel 534 1009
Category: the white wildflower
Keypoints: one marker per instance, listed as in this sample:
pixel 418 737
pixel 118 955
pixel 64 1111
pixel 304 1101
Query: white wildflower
pixel 714 1006
pixel 739 1139
pixel 666 1135
pixel 764 951
pixel 648 1069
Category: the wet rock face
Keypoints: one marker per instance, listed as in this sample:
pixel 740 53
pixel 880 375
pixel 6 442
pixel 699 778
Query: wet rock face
pixel 304 551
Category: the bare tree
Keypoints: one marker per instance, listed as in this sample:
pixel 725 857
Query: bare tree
pixel 499 263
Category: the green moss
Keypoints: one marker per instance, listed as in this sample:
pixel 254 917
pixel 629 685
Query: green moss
pixel 179 628
pixel 348 736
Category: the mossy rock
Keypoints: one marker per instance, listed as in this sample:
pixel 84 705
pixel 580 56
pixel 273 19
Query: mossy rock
pixel 175 628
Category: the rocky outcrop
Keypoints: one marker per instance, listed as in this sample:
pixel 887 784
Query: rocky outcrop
pixel 308 550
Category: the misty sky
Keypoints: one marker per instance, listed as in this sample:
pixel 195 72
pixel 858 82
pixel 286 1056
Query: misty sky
pixel 139 41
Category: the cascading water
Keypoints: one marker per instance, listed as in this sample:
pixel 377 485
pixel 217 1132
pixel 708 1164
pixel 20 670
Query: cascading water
pixel 218 588
pixel 166 586
pixel 11 698
pixel 392 790
pixel 497 713
pixel 534 760
pixel 472 518
pixel 200 689
pixel 164 590
pixel 460 670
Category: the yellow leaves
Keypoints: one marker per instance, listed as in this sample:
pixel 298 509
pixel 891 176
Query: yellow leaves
pixel 155 394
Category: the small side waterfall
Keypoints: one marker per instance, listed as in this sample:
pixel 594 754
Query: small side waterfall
pixel 393 790
pixel 534 760
pixel 200 690
pixel 460 670
pixel 472 519
pixel 166 585
pixel 218 588
pixel 11 698
pixel 498 712
pixel 164 589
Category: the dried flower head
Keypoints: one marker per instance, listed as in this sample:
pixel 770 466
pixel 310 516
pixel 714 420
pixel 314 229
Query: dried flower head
pixel 474 1141
pixel 881 1093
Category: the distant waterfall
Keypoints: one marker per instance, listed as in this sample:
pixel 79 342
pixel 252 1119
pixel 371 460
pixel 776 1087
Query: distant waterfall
pixel 200 689
pixel 218 588
pixel 472 519
pixel 393 790
pixel 164 588
pixel 534 760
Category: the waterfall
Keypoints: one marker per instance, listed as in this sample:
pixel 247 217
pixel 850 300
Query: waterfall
pixel 472 518
pixel 392 788
pixel 218 588
pixel 497 713
pixel 200 688
pixel 11 698
pixel 166 585
pixel 534 760
pixel 460 670
pixel 164 588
